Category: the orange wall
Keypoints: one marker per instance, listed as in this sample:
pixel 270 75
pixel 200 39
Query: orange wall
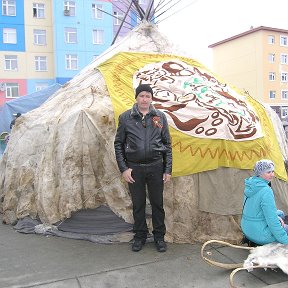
pixel 22 89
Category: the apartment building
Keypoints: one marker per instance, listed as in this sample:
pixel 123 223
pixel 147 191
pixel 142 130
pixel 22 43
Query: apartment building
pixel 256 62
pixel 43 42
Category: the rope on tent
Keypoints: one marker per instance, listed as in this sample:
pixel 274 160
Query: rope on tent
pixel 157 16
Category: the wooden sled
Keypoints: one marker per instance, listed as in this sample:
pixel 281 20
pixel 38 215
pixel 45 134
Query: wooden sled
pixel 236 267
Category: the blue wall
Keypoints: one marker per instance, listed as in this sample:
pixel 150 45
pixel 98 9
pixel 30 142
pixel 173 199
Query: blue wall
pixel 16 22
pixel 62 80
pixel 32 83
pixel 84 23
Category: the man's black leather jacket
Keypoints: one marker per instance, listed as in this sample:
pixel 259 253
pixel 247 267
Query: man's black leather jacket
pixel 143 140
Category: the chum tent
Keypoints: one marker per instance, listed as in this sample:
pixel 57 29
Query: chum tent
pixel 60 158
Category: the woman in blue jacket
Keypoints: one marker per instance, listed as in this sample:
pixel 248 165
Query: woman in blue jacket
pixel 260 217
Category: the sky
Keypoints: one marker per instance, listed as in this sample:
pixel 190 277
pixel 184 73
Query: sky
pixel 205 22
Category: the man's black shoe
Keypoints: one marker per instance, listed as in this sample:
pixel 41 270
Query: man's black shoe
pixel 137 245
pixel 161 245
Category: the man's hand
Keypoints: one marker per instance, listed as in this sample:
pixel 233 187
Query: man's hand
pixel 166 177
pixel 127 176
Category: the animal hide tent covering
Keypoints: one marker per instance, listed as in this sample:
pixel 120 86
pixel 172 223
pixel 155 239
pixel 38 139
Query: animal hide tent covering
pixel 60 157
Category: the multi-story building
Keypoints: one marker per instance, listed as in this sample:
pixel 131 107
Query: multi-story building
pixel 49 41
pixel 256 61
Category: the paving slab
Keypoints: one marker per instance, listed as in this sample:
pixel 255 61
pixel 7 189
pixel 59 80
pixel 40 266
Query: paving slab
pixel 30 260
pixel 268 276
pixel 279 285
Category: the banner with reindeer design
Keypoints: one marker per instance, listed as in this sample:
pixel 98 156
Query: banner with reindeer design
pixel 212 124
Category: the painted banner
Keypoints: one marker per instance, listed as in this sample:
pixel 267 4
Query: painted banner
pixel 212 124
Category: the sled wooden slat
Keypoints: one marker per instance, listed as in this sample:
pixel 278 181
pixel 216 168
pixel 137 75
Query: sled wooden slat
pixel 232 274
pixel 235 266
pixel 219 264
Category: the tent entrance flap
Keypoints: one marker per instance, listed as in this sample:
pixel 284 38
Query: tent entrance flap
pixel 100 221
pixel 99 225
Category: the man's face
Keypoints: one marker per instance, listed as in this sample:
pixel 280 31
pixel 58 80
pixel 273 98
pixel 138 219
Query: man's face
pixel 144 100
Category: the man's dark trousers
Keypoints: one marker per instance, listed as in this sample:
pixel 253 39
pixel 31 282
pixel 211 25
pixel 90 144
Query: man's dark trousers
pixel 152 175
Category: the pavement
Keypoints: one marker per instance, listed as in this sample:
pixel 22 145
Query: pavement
pixel 31 260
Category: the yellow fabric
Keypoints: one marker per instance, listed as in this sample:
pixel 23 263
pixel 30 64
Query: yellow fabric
pixel 193 154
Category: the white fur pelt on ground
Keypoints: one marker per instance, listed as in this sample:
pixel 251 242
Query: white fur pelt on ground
pixel 273 254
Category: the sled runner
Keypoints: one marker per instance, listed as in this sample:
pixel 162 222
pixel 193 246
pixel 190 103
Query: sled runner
pixel 268 256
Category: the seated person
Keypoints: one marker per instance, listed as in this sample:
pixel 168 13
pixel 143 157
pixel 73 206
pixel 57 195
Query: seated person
pixel 260 217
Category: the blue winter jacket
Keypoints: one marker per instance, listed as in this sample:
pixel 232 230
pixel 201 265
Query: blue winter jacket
pixel 260 222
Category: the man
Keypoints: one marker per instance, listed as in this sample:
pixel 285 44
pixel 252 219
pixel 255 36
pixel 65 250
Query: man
pixel 14 120
pixel 144 157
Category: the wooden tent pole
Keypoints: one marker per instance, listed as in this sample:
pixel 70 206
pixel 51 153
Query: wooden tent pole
pixel 118 31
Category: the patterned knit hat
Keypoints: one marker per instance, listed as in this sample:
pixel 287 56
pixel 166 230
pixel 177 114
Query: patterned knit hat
pixel 263 166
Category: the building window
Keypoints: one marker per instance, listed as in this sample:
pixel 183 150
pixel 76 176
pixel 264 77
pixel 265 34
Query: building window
pixel 283 41
pixel 98 36
pixel 284 77
pixel 272 94
pixel 41 86
pixel 9 7
pixel 118 18
pixel 284 59
pixel 284 112
pixel 284 94
pixel 38 10
pixel 71 62
pixel 39 37
pixel 271 58
pixel 70 35
pixel 271 39
pixel 97 11
pixel 272 76
pixel 12 90
pixel 69 8
pixel 11 62
pixel 9 36
pixel 40 63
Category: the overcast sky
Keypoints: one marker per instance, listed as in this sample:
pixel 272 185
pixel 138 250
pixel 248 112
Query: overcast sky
pixel 204 22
